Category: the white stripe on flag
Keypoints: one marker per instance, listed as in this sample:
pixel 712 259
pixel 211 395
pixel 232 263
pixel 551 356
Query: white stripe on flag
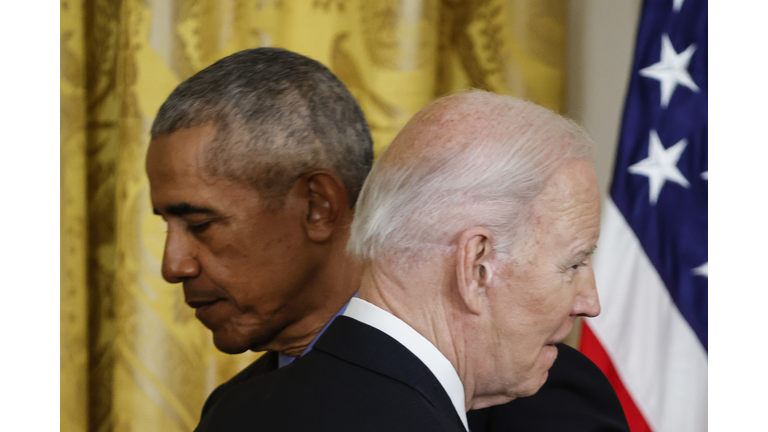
pixel 660 360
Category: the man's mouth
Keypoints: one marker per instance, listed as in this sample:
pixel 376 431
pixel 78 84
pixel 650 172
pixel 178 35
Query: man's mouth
pixel 196 304
pixel 553 343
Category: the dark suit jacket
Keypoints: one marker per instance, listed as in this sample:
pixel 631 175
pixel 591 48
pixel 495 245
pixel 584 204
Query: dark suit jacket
pixel 356 378
pixel 576 397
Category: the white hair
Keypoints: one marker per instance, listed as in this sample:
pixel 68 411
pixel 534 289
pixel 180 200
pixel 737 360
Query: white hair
pixel 472 159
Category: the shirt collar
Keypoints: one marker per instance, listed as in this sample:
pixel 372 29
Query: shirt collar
pixel 422 348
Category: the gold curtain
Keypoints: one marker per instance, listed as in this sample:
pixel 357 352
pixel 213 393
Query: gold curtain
pixel 133 357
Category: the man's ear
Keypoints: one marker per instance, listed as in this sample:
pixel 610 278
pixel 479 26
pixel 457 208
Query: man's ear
pixel 326 204
pixel 474 268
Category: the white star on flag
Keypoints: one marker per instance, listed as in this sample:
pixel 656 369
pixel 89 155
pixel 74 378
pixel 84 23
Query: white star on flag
pixel 702 270
pixel 671 70
pixel 661 165
pixel 677 4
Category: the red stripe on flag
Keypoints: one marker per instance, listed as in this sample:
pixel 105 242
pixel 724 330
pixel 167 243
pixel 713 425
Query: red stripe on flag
pixel 592 348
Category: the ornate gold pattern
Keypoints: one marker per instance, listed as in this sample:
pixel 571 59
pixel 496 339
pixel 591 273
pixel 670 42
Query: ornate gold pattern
pixel 400 35
pixel 133 357
pixel 344 66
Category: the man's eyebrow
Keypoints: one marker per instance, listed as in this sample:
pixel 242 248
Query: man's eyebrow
pixel 183 209
pixel 586 252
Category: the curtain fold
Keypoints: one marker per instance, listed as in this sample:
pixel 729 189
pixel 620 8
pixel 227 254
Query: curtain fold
pixel 133 356
pixel 73 348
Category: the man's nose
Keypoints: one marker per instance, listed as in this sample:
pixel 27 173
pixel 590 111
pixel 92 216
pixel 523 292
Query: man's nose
pixel 179 260
pixel 587 303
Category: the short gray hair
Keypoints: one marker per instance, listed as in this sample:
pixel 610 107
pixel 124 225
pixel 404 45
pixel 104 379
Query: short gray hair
pixel 482 159
pixel 278 116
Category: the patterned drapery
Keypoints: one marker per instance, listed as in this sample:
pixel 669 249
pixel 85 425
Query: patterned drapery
pixel 133 357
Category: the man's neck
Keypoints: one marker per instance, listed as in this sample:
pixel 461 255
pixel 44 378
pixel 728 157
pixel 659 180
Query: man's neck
pixel 284 360
pixel 336 283
pixel 416 299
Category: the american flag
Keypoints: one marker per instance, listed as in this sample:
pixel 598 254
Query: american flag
pixel 651 265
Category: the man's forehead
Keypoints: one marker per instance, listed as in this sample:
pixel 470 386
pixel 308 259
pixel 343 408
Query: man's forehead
pixel 573 183
pixel 180 182
pixel 180 157
pixel 567 211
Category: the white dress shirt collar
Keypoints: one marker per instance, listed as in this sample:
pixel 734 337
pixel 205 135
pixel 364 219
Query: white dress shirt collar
pixel 422 348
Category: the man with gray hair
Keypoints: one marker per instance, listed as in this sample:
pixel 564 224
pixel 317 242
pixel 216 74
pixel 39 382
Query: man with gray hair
pixel 255 163
pixel 475 232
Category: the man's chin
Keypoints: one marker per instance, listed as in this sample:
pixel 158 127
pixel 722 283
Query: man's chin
pixel 229 346
pixel 533 387
pixel 546 359
pixel 549 354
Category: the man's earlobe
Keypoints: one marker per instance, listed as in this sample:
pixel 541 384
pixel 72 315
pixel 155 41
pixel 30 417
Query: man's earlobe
pixel 326 204
pixel 474 269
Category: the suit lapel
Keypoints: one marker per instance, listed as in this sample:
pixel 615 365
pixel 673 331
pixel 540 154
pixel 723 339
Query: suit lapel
pixel 368 347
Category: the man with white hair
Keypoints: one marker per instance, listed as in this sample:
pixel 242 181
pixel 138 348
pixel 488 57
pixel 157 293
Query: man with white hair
pixel 475 231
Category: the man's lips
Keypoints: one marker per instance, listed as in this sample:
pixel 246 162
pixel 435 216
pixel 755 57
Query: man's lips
pixel 553 343
pixel 206 310
pixel 195 304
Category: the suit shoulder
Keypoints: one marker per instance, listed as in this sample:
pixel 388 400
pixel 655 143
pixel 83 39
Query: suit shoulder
pixel 320 389
pixel 266 363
